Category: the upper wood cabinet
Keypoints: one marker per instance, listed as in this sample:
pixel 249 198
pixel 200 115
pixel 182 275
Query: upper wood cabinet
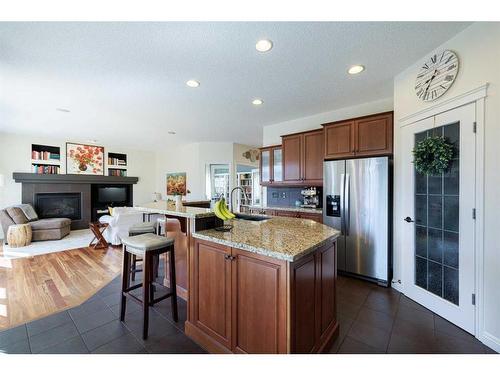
pixel 364 136
pixel 292 158
pixel 303 158
pixel 271 165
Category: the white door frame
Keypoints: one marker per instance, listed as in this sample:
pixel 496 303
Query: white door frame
pixel 476 96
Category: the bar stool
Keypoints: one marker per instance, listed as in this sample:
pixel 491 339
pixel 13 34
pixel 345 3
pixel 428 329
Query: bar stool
pixel 135 230
pixel 147 246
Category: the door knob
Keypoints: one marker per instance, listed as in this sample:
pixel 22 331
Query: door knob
pixel 408 219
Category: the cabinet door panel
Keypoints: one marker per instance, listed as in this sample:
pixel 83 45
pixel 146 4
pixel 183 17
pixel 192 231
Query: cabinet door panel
pixel 304 305
pixel 327 276
pixel 313 157
pixel 277 165
pixel 374 135
pixel 265 166
pixel 286 213
pixel 339 140
pixel 292 156
pixel 212 291
pixel 259 304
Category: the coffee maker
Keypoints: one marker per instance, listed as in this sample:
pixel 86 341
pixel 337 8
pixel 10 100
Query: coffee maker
pixel 310 197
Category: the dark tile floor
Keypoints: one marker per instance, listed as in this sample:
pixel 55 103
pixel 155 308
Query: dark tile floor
pixel 379 320
pixel 372 320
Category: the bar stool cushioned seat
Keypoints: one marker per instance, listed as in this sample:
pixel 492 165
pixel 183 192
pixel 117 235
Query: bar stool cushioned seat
pixel 139 245
pixel 148 246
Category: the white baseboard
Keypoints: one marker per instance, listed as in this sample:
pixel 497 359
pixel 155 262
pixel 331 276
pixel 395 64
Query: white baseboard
pixel 490 341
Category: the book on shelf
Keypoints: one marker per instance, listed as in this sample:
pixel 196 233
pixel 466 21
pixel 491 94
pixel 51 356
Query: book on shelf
pixel 44 155
pixel 117 172
pixel 45 169
pixel 116 161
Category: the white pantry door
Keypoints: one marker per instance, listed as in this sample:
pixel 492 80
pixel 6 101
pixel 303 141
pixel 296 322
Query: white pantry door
pixel 439 269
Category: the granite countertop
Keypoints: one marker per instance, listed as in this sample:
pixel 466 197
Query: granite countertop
pixel 279 237
pixel 169 208
pixel 281 208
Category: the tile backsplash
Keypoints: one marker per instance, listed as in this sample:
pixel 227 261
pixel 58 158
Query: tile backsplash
pixel 284 196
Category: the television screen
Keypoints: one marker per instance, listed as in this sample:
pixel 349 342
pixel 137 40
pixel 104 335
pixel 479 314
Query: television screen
pixel 112 194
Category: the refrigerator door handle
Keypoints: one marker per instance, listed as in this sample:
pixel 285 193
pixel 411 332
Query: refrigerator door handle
pixel 347 211
pixel 342 207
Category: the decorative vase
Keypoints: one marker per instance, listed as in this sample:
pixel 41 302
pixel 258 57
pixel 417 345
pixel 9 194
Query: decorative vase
pixel 178 202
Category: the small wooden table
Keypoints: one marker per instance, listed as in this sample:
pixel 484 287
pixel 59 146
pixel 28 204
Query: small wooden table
pixel 98 229
pixel 19 235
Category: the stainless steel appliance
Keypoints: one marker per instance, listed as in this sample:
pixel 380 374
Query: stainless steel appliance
pixel 310 197
pixel 357 202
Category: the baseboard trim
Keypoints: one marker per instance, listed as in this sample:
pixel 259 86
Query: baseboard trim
pixel 490 341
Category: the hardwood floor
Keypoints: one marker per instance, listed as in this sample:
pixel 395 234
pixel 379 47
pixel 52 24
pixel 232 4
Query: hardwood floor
pixel 34 287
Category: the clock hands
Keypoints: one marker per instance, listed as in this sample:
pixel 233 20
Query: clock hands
pixel 430 81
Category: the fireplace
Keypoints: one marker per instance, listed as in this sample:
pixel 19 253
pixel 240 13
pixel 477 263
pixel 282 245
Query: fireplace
pixel 50 205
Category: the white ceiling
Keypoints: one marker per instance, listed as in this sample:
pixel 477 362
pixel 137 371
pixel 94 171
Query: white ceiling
pixel 125 82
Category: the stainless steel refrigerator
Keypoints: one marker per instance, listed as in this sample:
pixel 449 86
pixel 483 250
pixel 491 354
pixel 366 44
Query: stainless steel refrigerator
pixel 356 201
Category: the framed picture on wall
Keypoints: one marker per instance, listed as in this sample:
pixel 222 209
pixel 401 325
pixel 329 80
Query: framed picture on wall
pixel 84 159
pixel 176 183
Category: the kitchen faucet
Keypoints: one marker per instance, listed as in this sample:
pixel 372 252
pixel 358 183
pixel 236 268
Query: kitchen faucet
pixel 231 197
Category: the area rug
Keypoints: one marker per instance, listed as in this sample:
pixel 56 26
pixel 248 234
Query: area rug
pixel 74 240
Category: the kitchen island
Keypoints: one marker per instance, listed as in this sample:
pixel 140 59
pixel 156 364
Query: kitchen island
pixel 264 287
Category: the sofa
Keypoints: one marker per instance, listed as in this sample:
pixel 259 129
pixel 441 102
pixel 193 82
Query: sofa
pixel 119 223
pixel 42 229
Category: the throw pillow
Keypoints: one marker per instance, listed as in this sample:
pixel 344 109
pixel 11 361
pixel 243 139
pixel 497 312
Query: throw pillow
pixel 17 215
pixel 28 211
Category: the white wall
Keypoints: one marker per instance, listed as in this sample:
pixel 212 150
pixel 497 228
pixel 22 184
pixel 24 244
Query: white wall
pixel 478 49
pixel 193 158
pixel 15 156
pixel 272 133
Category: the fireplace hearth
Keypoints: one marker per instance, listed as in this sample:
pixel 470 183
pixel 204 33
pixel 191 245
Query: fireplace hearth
pixel 51 205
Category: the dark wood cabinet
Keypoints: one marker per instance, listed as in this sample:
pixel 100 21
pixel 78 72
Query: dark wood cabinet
pixel 212 291
pixel 303 158
pixel 364 136
pixel 339 140
pixel 313 295
pixel 271 165
pixel 292 158
pixel 259 304
pixel 374 135
pixel 313 157
pixel 244 302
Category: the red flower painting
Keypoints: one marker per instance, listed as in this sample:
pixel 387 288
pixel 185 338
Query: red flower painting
pixel 84 159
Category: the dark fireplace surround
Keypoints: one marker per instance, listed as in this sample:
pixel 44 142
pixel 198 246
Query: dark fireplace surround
pixel 68 196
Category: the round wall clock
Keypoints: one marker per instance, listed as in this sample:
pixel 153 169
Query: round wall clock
pixel 436 76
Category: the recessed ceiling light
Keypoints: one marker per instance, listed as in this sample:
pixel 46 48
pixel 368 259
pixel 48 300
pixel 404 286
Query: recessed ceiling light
pixel 355 69
pixel 257 102
pixel 172 132
pixel 63 110
pixel 192 83
pixel 264 45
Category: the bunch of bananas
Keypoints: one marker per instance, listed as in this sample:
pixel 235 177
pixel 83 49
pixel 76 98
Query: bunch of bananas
pixel 221 210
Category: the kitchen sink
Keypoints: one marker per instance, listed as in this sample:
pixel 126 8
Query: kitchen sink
pixel 252 217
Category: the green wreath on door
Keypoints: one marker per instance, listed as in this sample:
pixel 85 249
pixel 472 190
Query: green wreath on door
pixel 432 156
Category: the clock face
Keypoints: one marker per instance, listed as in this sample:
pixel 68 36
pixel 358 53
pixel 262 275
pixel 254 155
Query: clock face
pixel 436 76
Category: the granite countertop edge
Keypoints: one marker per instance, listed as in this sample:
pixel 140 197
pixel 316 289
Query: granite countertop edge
pixel 192 215
pixel 318 211
pixel 262 251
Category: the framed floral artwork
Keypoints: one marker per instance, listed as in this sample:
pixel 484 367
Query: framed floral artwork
pixel 84 159
pixel 176 183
